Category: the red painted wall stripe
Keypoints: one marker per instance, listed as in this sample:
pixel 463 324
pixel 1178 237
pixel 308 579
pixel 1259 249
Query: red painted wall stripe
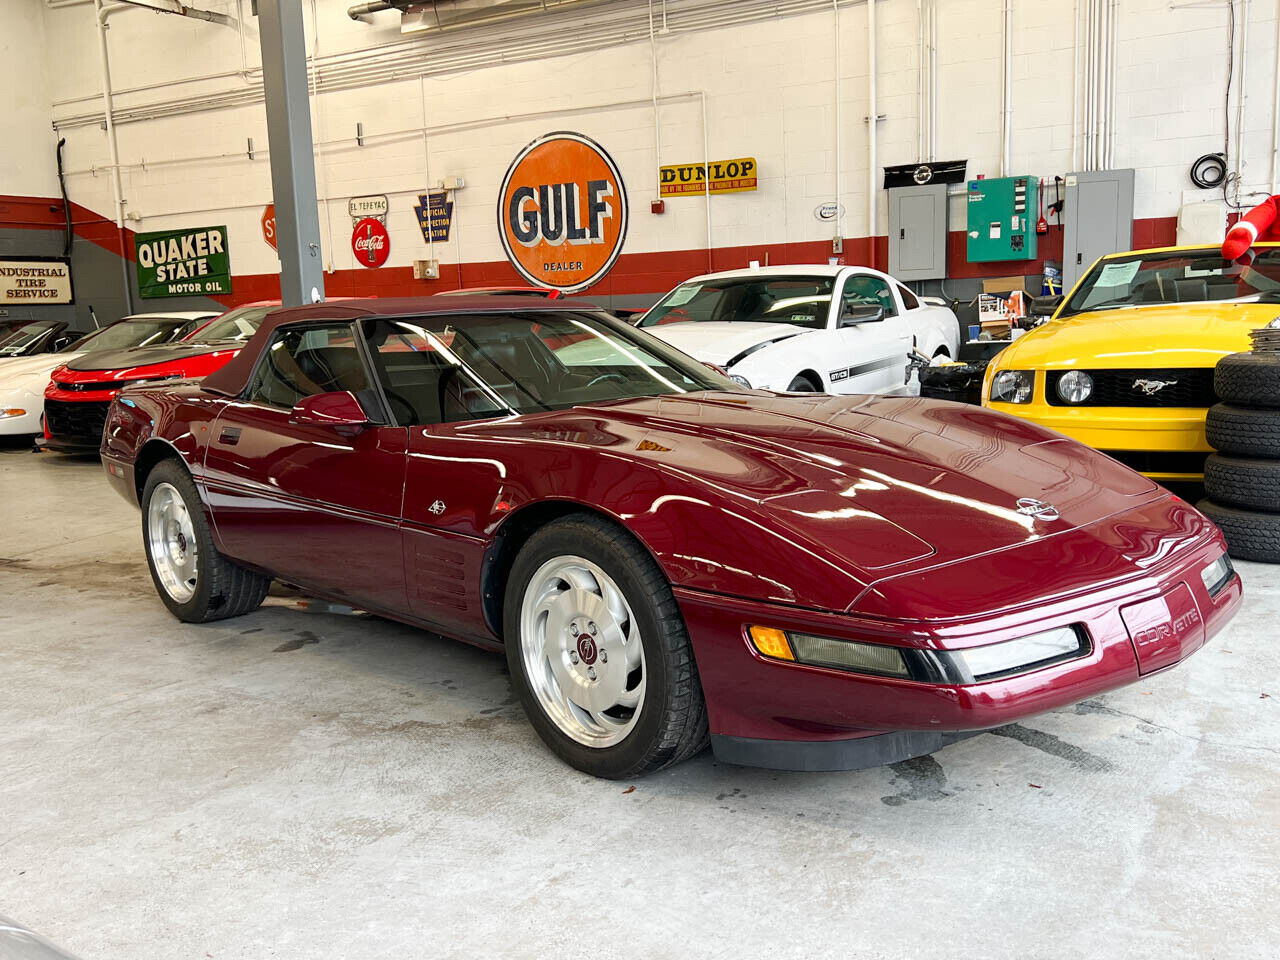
pixel 635 274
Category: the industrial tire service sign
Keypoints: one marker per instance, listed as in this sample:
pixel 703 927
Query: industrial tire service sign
pixel 562 212
pixel 370 242
pixel 33 281
pixel 183 263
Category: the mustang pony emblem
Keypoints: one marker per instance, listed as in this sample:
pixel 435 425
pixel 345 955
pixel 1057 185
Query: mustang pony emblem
pixel 1152 387
pixel 1037 508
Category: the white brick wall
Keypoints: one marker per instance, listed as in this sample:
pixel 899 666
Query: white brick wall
pixel 769 91
pixel 27 143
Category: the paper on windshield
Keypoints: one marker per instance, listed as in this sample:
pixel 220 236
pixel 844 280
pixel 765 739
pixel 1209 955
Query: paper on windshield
pixel 683 295
pixel 1118 274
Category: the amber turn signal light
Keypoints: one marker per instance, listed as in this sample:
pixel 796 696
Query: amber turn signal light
pixel 12 412
pixel 771 642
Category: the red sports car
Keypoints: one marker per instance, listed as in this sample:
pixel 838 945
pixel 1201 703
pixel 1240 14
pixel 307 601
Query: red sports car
pixel 809 582
pixel 79 392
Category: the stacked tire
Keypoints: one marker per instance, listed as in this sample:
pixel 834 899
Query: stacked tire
pixel 1242 480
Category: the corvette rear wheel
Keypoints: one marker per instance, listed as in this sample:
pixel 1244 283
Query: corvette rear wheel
pixel 193 580
pixel 598 651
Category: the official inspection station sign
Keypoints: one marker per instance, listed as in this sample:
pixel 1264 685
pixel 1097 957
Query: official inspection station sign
pixel 35 280
pixel 727 176
pixel 183 263
pixel 435 216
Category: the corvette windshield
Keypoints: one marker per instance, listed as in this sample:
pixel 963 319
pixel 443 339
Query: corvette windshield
pixel 450 368
pixel 1176 276
pixel 131 333
pixel 239 324
pixel 803 301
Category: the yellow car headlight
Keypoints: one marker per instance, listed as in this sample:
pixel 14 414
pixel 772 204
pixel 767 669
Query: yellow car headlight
pixel 1013 386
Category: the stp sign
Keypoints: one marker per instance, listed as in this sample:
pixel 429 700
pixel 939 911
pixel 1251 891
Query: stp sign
pixel 562 212
pixel 269 225
pixel 370 242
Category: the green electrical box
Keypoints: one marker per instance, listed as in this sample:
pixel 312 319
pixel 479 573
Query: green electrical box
pixel 1002 219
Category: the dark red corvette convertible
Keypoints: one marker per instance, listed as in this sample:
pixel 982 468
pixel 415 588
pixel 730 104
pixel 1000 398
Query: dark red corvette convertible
pixel 810 582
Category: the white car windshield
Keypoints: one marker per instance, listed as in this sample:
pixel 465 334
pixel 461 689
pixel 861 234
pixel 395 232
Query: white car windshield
pixel 1176 276
pixel 803 301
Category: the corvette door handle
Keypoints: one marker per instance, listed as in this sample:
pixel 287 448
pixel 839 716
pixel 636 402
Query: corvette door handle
pixel 230 436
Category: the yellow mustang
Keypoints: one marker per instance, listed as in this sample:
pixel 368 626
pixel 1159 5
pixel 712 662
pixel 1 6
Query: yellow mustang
pixel 1126 363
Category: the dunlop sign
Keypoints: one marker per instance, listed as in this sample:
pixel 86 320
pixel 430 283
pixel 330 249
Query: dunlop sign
pixel 562 212
pixel 183 263
pixel 34 281
pixel 690 179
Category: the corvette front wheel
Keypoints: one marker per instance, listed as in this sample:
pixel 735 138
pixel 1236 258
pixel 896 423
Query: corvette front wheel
pixel 598 651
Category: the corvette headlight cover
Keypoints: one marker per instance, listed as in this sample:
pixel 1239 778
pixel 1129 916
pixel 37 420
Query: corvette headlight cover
pixel 1018 656
pixel 1013 386
pixel 951 667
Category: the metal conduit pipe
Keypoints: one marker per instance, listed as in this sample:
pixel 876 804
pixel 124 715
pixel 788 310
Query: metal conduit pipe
pixel 1240 97
pixel 838 227
pixel 1275 110
pixel 872 112
pixel 364 9
pixel 373 65
pixel 101 12
pixel 1006 87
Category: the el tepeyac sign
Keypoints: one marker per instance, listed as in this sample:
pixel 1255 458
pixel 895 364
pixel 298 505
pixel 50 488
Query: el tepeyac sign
pixel 183 263
pixel 35 280
pixel 690 179
pixel 562 212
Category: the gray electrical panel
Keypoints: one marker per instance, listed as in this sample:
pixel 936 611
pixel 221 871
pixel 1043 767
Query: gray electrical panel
pixel 1097 218
pixel 918 223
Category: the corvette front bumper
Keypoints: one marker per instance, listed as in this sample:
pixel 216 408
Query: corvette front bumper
pixel 784 715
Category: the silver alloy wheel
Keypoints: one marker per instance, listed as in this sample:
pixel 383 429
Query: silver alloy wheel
pixel 581 650
pixel 172 540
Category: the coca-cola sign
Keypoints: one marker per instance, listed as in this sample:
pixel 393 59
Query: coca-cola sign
pixel 370 242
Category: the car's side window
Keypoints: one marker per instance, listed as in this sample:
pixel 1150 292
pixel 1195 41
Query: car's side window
pixel 909 299
pixel 424 380
pixel 302 361
pixel 864 290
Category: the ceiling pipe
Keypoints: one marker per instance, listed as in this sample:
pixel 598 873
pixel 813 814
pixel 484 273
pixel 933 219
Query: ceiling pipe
pixel 195 13
pixel 362 10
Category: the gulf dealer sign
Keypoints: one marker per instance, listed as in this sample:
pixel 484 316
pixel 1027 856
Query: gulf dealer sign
pixel 562 212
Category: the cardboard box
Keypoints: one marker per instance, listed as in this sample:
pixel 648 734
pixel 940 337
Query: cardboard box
pixel 1028 285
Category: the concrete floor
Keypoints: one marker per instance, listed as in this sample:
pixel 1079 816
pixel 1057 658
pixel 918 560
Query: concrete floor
pixel 299 785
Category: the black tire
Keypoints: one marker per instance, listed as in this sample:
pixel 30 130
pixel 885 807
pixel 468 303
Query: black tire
pixel 1242 482
pixel 1250 535
pixel 1243 431
pixel 672 723
pixel 803 383
pixel 223 589
pixel 1252 379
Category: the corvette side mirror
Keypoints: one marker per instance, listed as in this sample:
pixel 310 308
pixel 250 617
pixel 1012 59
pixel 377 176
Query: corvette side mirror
pixel 853 316
pixel 339 410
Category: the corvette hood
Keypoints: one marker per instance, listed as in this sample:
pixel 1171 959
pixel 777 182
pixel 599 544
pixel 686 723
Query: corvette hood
pixel 878 486
pixel 1164 335
pixel 722 341
pixel 130 358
